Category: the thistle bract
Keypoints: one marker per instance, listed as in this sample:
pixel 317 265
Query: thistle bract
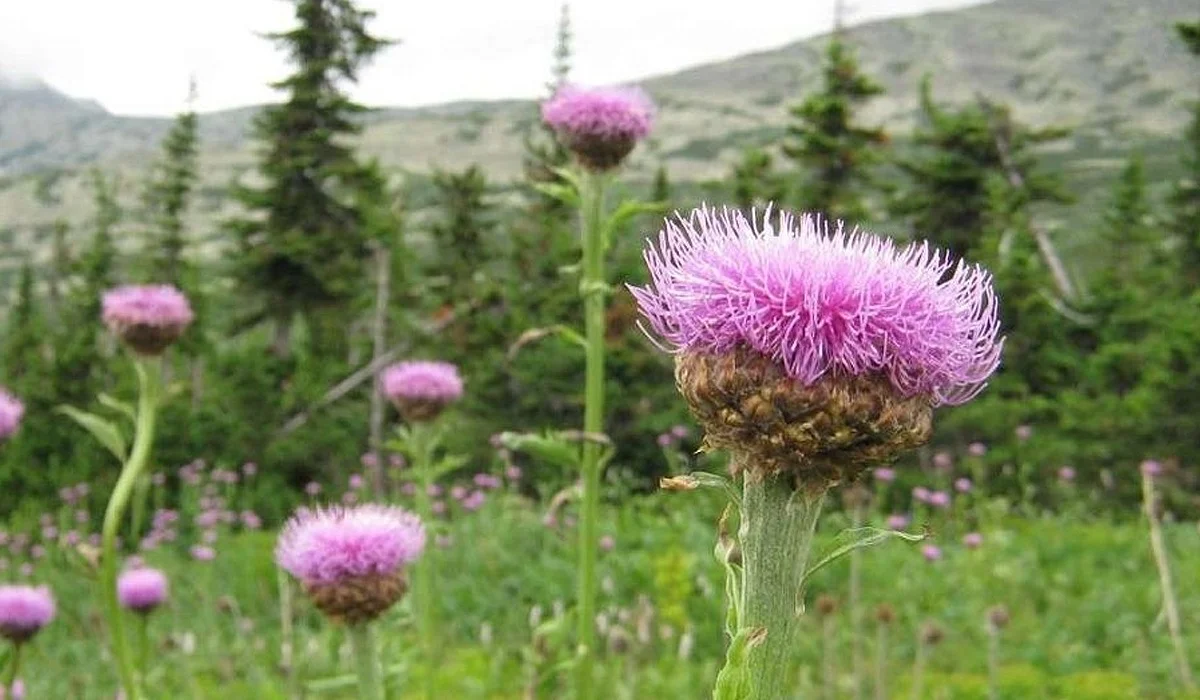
pixel 599 125
pixel 147 318
pixel 24 610
pixel 420 390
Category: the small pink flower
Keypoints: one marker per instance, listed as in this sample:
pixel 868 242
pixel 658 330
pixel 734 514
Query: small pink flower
pixel 665 440
pixel 962 484
pixel 312 488
pixel 931 552
pixel 201 552
pixel 349 498
pixel 1151 467
pixel 434 490
pixel 680 432
pixel 458 492
pixel 884 475
pixel 939 499
pixel 1024 432
pixel 11 413
pixel 921 494
pixel 369 460
pixel 942 461
pixel 897 521
pixel 1066 474
pixel 474 501
pixel 142 589
pixel 512 472
pixel 396 461
pixel 357 482
pixel 973 540
pixel 607 543
pixel 249 469
pixel 977 449
pixel 409 489
pixel 438 507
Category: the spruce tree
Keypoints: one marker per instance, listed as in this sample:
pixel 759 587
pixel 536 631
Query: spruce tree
pixel 660 189
pixel 167 198
pixel 834 156
pixel 1128 228
pixel 1185 197
pixel 544 152
pixel 462 230
pixel 304 244
pixel 755 182
pixel 24 336
pixel 946 195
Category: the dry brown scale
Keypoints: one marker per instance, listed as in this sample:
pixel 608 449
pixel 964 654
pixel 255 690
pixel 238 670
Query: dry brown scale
pixel 356 600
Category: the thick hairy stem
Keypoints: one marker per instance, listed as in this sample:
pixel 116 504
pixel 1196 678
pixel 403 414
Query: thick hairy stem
pixel 287 636
pixel 14 667
pixel 776 533
pixel 1170 607
pixel 592 289
pixel 366 661
pixel 114 514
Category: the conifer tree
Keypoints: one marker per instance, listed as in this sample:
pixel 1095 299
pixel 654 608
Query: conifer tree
pixel 24 335
pixel 304 245
pixel 1185 197
pixel 660 189
pixel 834 156
pixel 167 198
pixel 461 233
pixel 946 197
pixel 544 152
pixel 1128 228
pixel 755 182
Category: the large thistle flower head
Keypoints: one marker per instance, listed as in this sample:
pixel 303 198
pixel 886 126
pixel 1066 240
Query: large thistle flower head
pixel 811 348
pixel 599 125
pixel 351 560
pixel 421 389
pixel 24 611
pixel 147 318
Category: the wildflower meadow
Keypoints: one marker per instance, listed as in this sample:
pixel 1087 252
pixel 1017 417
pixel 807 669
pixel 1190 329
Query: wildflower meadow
pixel 786 436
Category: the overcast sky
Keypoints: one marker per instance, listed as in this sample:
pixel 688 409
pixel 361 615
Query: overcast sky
pixel 135 56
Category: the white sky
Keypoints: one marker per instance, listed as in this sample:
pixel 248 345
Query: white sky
pixel 135 56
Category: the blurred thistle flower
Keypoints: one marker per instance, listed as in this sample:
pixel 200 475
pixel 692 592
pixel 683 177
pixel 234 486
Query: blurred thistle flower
pixel 37 551
pixel 15 692
pixel 600 126
pixel 434 490
pixel 369 460
pixel 681 432
pixel 49 533
pixel 408 489
pixel 82 516
pixel 11 413
pixel 349 498
pixel 201 552
pixel 24 610
pixel 939 499
pixel 1151 467
pixel 356 482
pixel 249 469
pixel 438 507
pixel 209 537
pixel 142 589
pixel 921 494
pixel 809 324
pixel 607 543
pixel 896 521
pixel 962 484
pixel 1024 432
pixel 25 570
pixel 977 449
pixel 147 318
pixel 420 390
pixel 250 520
pixel 884 475
pixel 665 440
pixel 512 473
pixel 443 541
pixel 351 560
pixel 973 540
pixel 1066 474
pixel 396 461
pixel 474 501
pixel 931 552
pixel 942 461
pixel 458 492
pixel 158 479
pixel 312 488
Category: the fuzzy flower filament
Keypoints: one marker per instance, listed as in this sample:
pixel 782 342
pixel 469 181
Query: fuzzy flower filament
pixel 148 318
pixel 24 611
pixel 142 590
pixel 421 390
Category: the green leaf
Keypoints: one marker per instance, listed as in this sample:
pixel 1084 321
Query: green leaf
pixel 733 682
pixel 550 448
pixel 627 211
pixel 859 537
pixel 348 680
pixel 118 405
pixel 563 193
pixel 103 430
pixel 534 334
pixel 569 176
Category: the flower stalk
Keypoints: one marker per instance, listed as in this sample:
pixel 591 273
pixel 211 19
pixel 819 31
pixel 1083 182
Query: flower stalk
pixel 776 533
pixel 422 444
pixel 593 289
pixel 366 660
pixel 1161 561
pixel 148 396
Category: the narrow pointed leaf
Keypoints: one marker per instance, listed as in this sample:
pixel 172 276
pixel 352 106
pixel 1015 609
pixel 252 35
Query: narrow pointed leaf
pixel 859 537
pixel 105 431
pixel 122 407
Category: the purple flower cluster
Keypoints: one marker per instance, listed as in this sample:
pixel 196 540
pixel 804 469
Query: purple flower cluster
pixel 147 317
pixel 599 125
pixel 334 544
pixel 11 413
pixel 823 303
pixel 142 589
pixel 674 436
pixel 421 381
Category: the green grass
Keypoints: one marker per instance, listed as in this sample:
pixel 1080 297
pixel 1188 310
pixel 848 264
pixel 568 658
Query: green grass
pixel 1083 597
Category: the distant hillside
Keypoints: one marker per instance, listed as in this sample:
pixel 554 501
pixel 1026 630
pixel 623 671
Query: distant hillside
pixel 1109 68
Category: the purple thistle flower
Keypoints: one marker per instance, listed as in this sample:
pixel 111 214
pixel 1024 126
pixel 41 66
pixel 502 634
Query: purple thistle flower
pixel 142 589
pixel 977 449
pixel 37 551
pixel 664 440
pixel 920 494
pixel 1066 474
pixel 148 543
pixel 1024 432
pixel 820 303
pixel 16 691
pixel 356 481
pixel 474 501
pixel 11 413
pixel 420 389
pixel 201 552
pixel 396 461
pixel 330 544
pixel 962 485
pixel 942 461
pixel 1151 467
pixel 973 540
pixel 939 499
pixel 147 318
pixel 369 460
pixel 408 489
pixel 24 610
pixel 884 475
pixel 434 490
pixel 438 507
pixel 931 552
pixel 600 126
pixel 607 543
pixel 512 472
pixel 249 469
pixel 458 492
pixel 312 488
pixel 250 520
pixel 680 432
pixel 82 516
pixel 897 521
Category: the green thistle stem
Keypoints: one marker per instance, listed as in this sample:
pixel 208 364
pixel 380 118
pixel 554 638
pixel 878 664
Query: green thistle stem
pixel 1170 607
pixel 14 667
pixel 993 663
pixel 776 533
pixel 593 291
pixel 423 444
pixel 918 674
pixel 881 661
pixel 366 660
pixel 143 660
pixel 114 514
pixel 855 604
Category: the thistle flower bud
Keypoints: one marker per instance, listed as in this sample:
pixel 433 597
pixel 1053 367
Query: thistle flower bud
pixel 142 590
pixel 885 614
pixel 24 610
pixel 618 640
pixel 826 605
pixel 601 125
pixel 932 634
pixel 147 318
